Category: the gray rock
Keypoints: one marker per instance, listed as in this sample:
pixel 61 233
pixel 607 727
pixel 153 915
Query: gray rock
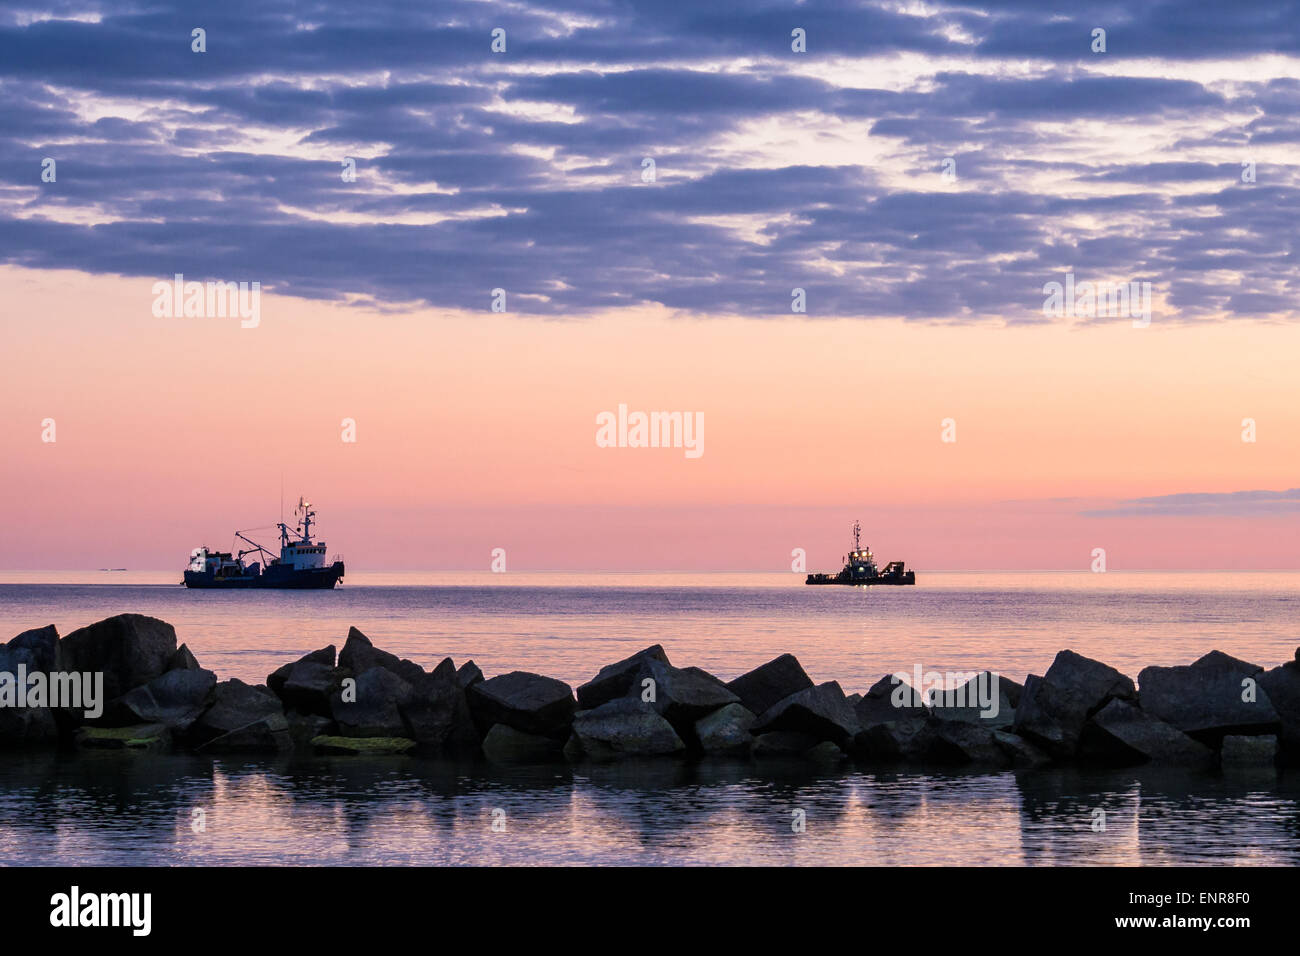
pixel 468 675
pixel 129 649
pixel 1019 751
pixel 237 707
pixel 38 651
pixel 446 670
pixel 889 699
pixel 1282 684
pixel 377 709
pixel 1204 698
pixel 764 687
pixel 304 728
pixel 37 648
pixel 821 712
pixel 619 679
pixel 183 660
pixel 893 723
pixel 174 699
pixel 270 734
pixel 506 745
pixel 437 716
pixel 1121 733
pixel 1054 708
pixel 683 695
pixel 726 731
pixel 276 681
pixel 359 655
pixel 905 739
pixel 962 742
pixel 309 687
pixel 1241 751
pixel 528 702
pixel 625 727
pixel 964 703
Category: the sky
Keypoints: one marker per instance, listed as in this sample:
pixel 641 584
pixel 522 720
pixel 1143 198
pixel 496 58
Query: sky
pixel 827 232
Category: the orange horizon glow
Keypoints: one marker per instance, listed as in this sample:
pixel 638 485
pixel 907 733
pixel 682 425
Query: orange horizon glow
pixel 477 431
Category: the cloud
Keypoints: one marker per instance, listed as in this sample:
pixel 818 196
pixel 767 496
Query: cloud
pixel 821 170
pixel 1225 504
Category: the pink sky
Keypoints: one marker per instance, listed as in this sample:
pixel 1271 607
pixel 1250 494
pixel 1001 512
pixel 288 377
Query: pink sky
pixel 477 431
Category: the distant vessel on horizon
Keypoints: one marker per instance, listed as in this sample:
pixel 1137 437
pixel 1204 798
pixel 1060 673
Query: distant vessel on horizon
pixel 860 568
pixel 301 564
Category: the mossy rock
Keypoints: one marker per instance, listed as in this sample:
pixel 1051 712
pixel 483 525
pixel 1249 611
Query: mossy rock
pixel 361 745
pixel 150 737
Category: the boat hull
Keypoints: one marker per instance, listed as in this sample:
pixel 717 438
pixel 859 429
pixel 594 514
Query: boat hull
pixel 907 577
pixel 307 579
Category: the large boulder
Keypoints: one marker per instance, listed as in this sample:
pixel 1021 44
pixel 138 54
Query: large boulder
pixel 374 707
pixel 962 742
pixel 1122 733
pixel 468 675
pixel 893 723
pixel 241 718
pixel 37 648
pixel 436 714
pixel 764 687
pixel 304 728
pixel 276 680
pixel 310 684
pixel 174 699
pixel 1282 684
pixel 129 649
pixel 360 655
pixel 1213 696
pixel 506 745
pixel 1020 752
pixel 528 702
pixel 987 700
pixel 685 694
pixel 183 660
pixel 619 679
pixel 1054 708
pixel 726 730
pixel 822 712
pixel 624 727
pixel 36 651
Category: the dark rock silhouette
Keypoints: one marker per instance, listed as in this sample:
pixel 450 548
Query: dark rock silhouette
pixel 1215 712
pixel 766 686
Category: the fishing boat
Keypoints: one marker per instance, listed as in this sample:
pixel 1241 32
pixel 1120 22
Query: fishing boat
pixel 302 564
pixel 860 568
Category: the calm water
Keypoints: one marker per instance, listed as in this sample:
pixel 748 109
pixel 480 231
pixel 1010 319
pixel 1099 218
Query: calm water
pixel 114 809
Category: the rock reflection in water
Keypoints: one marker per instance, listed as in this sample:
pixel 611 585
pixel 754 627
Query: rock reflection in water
pixel 120 809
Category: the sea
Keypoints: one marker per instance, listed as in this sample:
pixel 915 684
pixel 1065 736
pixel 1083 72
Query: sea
pixel 114 809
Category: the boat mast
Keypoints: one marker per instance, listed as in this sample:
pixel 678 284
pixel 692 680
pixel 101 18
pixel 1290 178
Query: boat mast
pixel 857 536
pixel 307 515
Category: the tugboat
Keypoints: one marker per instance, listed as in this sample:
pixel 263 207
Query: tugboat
pixel 301 563
pixel 860 568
